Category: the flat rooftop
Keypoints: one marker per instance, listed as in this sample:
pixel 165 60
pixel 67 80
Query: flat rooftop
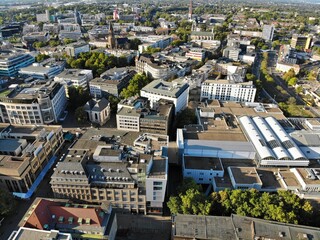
pixel 35 234
pixel 159 168
pixel 202 163
pixel 9 145
pixel 168 89
pixel 245 175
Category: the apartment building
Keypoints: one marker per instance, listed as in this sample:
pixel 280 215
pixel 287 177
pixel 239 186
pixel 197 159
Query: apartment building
pixel 34 103
pixel 11 61
pixel 267 32
pixel 232 53
pixel 227 90
pixel 25 152
pixel 176 92
pixel 47 69
pixel 301 41
pixel 111 82
pixel 65 217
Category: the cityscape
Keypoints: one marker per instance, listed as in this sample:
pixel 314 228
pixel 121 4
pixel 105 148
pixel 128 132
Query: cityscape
pixel 163 120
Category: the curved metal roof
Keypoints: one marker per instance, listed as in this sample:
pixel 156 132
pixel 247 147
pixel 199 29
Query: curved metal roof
pixel 285 139
pixel 255 136
pixel 271 139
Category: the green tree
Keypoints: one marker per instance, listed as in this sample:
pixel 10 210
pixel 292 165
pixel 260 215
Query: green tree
pixel 40 57
pixel 186 117
pixel 134 43
pixel 288 75
pixel 77 97
pixel 113 103
pixel 136 84
pixel 67 41
pixel 81 115
pixel 7 203
pixel 292 81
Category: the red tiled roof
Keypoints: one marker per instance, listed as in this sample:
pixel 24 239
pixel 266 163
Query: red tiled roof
pixel 44 210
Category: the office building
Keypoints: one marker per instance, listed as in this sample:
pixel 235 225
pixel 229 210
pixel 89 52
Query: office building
pixel 153 41
pixel 98 110
pixel 44 17
pixel 135 115
pixel 29 39
pixel 27 151
pixel 109 175
pixel 74 78
pixel 178 93
pixel 46 69
pixel 301 41
pixel 81 221
pixel 196 53
pixel 228 90
pixel 11 61
pixel 111 82
pixel 33 103
pixel 267 32
pixel 74 49
pixel 232 53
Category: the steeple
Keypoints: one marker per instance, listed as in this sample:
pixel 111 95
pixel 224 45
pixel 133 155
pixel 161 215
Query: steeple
pixel 190 11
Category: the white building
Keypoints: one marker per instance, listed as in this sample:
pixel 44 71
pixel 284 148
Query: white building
pixel 267 32
pixel 274 146
pixel 244 178
pixel 153 41
pixel 33 104
pixel 172 91
pixel 285 67
pixel 74 49
pixel 308 178
pixel 98 110
pixel 196 53
pixel 128 119
pixel 36 234
pixel 232 53
pixel 202 169
pixel 228 91
pixel 156 183
pixel 74 77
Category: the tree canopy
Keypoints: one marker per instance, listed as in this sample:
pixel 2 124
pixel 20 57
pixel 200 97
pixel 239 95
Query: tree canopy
pixel 282 206
pixel 136 84
pixel 7 202
pixel 78 97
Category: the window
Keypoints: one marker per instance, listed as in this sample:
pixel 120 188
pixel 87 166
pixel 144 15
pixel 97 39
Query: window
pixel 157 188
pixel 200 179
pixel 157 183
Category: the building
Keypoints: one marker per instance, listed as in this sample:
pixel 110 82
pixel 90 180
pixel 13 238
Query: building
pixel 160 69
pixel 231 53
pixel 196 53
pixel 202 169
pixel 267 32
pixel 110 175
pixel 44 17
pixel 153 41
pixel 98 110
pixel 29 39
pixel 47 69
pixel 29 233
pixel 237 227
pixel 301 41
pixel 245 178
pixel 11 61
pixel 171 91
pixel 27 153
pixel 287 55
pixel 74 78
pixel 74 49
pixel 111 82
pixel 111 41
pixel 227 90
pixel 285 67
pixel 273 144
pixel 33 103
pixel 81 221
pixel 136 115
pixel 10 30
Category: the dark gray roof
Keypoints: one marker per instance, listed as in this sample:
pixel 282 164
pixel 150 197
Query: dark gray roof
pixel 96 105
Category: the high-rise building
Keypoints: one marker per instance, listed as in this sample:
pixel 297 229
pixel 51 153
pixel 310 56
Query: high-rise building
pixel 267 32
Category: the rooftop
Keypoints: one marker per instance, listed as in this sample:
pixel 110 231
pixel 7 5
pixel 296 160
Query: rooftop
pixel 159 168
pixel 170 89
pixel 35 234
pixel 245 175
pixel 202 163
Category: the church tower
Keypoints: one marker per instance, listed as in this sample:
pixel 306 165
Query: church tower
pixel 190 11
pixel 111 39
